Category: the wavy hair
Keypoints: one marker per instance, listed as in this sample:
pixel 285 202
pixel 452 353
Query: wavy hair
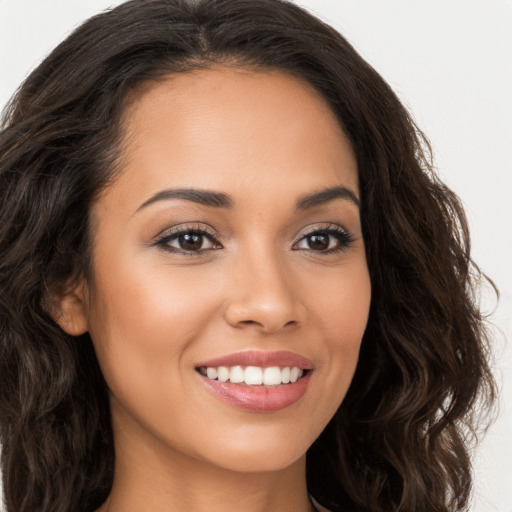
pixel 399 441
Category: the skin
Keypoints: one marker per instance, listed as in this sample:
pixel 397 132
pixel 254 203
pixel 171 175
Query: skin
pixel 266 140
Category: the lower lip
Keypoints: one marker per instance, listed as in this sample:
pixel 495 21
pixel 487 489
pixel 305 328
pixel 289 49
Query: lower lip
pixel 259 398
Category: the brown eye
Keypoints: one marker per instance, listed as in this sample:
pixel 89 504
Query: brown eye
pixel 325 240
pixel 318 241
pixel 190 241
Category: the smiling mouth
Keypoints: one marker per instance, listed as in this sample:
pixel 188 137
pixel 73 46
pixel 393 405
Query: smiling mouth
pixel 252 376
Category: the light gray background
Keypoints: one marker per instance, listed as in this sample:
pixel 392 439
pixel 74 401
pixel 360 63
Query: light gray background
pixel 450 62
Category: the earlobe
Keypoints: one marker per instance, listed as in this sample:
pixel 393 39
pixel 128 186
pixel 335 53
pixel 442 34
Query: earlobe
pixel 70 311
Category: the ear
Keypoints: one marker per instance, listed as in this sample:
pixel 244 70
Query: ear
pixel 69 310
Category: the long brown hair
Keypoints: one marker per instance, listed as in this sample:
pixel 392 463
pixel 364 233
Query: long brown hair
pixel 399 440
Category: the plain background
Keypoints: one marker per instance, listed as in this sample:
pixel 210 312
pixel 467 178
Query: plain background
pixel 450 61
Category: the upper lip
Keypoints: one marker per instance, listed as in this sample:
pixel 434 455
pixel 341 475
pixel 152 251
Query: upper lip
pixel 262 359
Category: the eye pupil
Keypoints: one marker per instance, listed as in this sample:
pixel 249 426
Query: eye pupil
pixel 318 241
pixel 191 241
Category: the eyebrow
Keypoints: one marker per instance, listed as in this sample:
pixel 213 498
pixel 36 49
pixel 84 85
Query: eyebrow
pixel 325 196
pixel 204 197
pixel 221 200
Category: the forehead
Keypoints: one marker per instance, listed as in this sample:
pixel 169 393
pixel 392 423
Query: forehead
pixel 232 128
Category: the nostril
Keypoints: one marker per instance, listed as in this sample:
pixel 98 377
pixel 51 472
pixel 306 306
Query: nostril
pixel 263 310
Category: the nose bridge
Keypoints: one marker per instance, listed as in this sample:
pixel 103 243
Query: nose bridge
pixel 262 290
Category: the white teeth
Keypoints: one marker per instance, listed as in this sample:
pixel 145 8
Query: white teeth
pixel 222 373
pixel 254 375
pixel 236 374
pixel 294 374
pixel 272 376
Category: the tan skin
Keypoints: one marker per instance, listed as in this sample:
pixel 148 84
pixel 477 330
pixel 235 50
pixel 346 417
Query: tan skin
pixel 253 281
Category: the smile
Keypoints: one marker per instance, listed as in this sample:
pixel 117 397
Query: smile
pixel 253 375
pixel 258 381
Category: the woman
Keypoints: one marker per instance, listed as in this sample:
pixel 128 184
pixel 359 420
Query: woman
pixel 229 278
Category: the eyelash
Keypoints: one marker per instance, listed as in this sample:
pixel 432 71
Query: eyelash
pixel 344 239
pixel 164 240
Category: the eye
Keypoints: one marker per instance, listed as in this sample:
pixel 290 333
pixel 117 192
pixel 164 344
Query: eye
pixel 325 240
pixel 188 240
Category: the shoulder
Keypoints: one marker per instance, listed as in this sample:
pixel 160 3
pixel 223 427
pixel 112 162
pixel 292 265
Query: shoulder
pixel 317 505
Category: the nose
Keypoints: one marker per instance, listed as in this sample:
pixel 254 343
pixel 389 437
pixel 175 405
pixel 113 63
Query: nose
pixel 262 295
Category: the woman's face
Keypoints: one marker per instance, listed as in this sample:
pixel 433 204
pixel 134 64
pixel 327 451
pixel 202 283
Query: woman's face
pixel 231 239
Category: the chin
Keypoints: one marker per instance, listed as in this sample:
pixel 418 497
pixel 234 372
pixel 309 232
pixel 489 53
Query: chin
pixel 260 453
pixel 261 463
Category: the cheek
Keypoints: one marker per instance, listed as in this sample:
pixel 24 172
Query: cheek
pixel 142 340
pixel 140 298
pixel 340 312
pixel 341 306
pixel 137 321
